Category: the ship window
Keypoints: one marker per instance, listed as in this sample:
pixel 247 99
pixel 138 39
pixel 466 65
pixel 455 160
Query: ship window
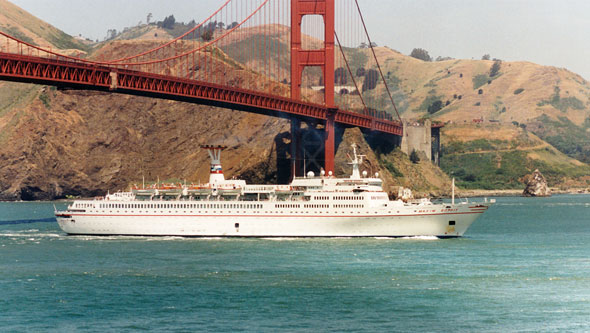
pixel 451 222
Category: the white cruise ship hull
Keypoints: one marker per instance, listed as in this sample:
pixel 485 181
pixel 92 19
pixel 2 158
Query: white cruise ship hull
pixel 310 206
pixel 432 220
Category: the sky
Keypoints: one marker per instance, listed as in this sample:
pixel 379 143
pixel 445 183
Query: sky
pixel 546 32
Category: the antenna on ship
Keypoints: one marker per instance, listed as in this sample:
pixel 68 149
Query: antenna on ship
pixel 216 173
pixel 453 192
pixel 304 174
pixel 355 162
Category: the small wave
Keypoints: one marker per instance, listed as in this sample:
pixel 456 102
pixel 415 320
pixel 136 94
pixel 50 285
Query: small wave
pixel 29 235
pixel 421 237
pixel 45 220
pixel 166 238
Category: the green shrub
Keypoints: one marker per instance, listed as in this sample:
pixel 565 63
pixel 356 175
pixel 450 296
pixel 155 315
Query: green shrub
pixel 562 104
pixel 518 91
pixel 479 80
pixel 495 69
pixel 45 99
pixel 391 168
pixel 435 107
pixel 427 104
pixel 371 78
pixel 414 156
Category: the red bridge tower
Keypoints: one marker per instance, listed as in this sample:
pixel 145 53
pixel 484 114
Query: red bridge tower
pixel 323 58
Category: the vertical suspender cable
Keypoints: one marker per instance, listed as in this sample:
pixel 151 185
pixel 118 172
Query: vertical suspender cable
pixel 376 61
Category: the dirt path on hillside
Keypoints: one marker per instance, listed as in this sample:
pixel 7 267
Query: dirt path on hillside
pixel 541 146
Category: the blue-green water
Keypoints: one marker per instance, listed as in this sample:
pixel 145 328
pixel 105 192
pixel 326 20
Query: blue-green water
pixel 523 266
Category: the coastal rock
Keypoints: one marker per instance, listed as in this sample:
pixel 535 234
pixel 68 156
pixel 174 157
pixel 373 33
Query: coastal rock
pixel 536 186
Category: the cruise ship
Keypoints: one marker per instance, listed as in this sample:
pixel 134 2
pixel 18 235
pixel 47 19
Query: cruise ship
pixel 312 206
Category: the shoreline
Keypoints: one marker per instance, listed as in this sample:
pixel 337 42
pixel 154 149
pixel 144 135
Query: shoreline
pixel 515 192
pixel 458 194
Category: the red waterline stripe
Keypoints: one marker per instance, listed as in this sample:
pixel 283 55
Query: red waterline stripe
pixel 306 216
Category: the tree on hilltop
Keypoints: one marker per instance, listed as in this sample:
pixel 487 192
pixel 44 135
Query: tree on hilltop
pixel 421 54
pixel 168 22
pixel 207 35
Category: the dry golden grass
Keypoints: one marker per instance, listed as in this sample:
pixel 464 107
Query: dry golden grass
pixel 455 77
pixel 465 133
pixel 15 20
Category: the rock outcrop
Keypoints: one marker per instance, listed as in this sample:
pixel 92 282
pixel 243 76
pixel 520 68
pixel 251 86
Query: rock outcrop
pixel 536 186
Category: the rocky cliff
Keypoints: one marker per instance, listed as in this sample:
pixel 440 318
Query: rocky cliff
pixel 84 143
pixel 536 186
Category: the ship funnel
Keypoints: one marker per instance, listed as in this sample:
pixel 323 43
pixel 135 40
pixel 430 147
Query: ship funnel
pixel 216 174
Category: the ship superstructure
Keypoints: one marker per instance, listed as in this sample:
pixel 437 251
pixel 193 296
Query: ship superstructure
pixel 311 206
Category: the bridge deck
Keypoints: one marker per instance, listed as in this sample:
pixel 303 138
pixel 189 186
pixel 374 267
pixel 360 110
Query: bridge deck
pixel 81 75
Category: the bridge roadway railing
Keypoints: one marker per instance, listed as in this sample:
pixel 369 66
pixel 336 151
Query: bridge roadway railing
pixel 81 75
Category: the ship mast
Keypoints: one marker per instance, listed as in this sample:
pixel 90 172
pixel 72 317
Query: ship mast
pixel 355 162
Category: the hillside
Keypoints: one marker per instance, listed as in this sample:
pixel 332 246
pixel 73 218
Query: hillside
pixel 493 156
pixel 55 143
pixel 19 23
pixel 65 142
pixel 546 104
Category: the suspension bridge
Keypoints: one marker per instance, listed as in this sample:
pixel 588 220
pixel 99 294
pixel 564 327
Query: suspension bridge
pixel 260 56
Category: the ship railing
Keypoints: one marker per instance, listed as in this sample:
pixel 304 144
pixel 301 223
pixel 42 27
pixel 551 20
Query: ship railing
pixel 259 189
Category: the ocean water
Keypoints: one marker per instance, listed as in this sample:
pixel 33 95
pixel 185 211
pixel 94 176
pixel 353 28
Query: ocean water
pixel 522 267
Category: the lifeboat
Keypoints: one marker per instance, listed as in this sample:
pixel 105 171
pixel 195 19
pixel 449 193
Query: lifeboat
pixel 170 189
pixel 229 190
pixel 199 190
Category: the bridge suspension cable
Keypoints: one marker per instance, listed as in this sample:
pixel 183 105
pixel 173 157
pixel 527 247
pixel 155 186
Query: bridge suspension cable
pixel 244 46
